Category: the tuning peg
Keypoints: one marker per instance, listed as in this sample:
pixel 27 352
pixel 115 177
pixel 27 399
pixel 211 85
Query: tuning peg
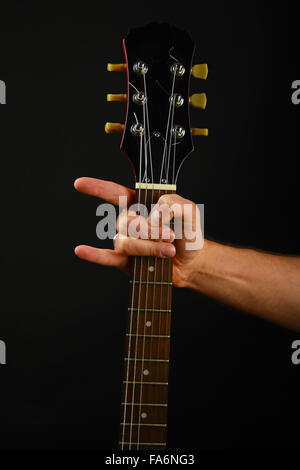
pixel 198 100
pixel 198 131
pixel 113 127
pixel 116 67
pixel 200 71
pixel 113 97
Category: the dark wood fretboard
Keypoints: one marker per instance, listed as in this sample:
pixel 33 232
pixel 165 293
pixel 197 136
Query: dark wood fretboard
pixel 147 348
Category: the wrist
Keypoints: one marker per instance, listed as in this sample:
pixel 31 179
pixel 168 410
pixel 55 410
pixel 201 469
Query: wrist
pixel 198 265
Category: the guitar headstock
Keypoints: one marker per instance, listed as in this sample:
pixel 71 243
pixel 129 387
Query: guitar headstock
pixel 157 136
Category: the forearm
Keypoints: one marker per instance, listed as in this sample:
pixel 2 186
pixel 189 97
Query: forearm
pixel 264 284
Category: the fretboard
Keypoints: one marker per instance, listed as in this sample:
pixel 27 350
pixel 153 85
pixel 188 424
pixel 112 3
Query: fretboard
pixel 144 404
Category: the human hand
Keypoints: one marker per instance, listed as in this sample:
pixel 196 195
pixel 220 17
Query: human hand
pixel 167 245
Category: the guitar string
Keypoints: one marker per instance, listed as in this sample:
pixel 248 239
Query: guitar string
pixel 148 260
pixel 170 261
pixel 139 294
pixel 170 142
pixel 170 267
pixel 141 259
pixel 168 151
pixel 146 127
pixel 153 318
pixel 161 260
pixel 148 141
pixel 165 264
pixel 131 318
pixel 167 130
pixel 147 117
pixel 155 262
pixel 143 346
pixel 138 337
pixel 144 338
pixel 174 160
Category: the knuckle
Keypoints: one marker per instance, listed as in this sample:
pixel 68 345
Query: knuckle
pixel 121 221
pixel 120 244
pixel 165 199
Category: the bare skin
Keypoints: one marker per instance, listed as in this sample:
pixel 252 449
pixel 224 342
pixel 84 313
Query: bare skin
pixel 264 284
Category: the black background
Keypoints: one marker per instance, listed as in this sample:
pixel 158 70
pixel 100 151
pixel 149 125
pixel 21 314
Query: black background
pixel 232 383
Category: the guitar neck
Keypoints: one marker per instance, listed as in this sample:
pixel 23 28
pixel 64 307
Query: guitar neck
pixel 144 404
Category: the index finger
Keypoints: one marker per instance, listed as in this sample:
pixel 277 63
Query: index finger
pixel 171 206
pixel 104 189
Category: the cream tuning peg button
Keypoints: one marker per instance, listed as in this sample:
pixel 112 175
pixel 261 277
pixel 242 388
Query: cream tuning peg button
pixel 198 131
pixel 200 71
pixel 114 97
pixel 113 127
pixel 116 67
pixel 198 100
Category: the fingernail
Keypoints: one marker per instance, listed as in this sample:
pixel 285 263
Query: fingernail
pixel 168 251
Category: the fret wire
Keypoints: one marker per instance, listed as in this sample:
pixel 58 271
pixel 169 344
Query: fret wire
pixel 146 404
pixel 151 283
pixel 143 424
pixel 144 383
pixel 147 309
pixel 149 336
pixel 144 443
pixel 146 360
pixel 152 327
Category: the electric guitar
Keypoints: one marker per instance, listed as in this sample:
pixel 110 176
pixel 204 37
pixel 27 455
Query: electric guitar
pixel 157 137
